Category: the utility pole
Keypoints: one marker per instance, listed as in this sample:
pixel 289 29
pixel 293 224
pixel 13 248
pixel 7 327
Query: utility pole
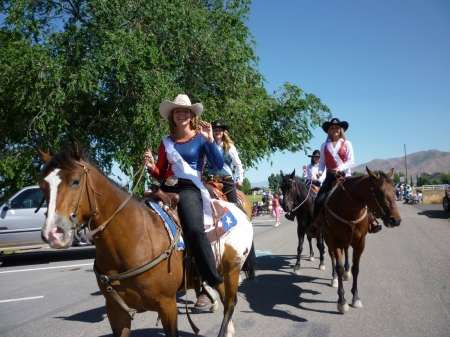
pixel 406 167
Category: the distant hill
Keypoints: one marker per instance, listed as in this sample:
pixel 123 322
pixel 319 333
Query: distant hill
pixel 262 184
pixel 429 162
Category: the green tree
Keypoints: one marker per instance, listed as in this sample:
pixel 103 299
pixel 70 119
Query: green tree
pixel 98 70
pixel 356 174
pixel 274 182
pixel 246 186
pixel 445 177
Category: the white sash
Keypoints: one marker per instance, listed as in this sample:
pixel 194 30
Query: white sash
pixel 182 170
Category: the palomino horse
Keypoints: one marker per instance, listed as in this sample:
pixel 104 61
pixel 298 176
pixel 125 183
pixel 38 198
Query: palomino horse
pixel 345 221
pixel 298 199
pixel 130 238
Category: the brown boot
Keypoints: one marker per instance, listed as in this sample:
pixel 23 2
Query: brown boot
pixel 313 229
pixel 374 226
pixel 206 299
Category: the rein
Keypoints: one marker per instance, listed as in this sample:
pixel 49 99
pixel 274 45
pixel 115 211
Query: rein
pixel 298 193
pixel 351 223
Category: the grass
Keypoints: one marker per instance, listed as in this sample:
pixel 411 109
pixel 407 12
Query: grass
pixel 254 198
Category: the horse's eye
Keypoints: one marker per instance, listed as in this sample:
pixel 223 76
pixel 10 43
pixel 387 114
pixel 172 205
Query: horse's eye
pixel 76 182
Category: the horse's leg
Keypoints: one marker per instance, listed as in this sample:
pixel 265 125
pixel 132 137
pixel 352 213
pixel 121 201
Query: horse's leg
pixel 168 313
pixel 357 252
pixel 347 272
pixel 321 248
pixel 118 319
pixel 311 251
pixel 334 280
pixel 301 237
pixel 342 305
pixel 228 292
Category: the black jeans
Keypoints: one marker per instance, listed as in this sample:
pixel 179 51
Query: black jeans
pixel 190 212
pixel 229 189
pixel 324 189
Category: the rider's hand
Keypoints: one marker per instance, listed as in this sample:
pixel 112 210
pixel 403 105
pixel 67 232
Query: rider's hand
pixel 238 183
pixel 304 168
pixel 319 174
pixel 149 161
pixel 206 131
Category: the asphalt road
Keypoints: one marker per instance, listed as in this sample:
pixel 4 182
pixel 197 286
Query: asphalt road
pixel 403 284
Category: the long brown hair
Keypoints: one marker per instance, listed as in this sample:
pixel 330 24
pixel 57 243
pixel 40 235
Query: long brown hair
pixel 193 123
pixel 227 142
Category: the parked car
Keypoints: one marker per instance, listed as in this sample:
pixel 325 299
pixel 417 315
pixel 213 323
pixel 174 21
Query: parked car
pixel 446 200
pixel 20 226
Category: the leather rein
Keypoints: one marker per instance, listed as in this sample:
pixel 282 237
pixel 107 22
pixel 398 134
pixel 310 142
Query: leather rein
pixel 294 196
pixel 353 222
pixel 107 279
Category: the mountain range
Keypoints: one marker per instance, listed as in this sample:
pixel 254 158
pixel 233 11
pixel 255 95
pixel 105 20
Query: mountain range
pixel 429 162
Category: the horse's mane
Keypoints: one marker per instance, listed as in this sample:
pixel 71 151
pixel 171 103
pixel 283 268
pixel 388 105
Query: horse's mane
pixel 65 161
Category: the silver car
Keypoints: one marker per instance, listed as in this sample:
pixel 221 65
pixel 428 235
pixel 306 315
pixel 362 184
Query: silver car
pixel 20 226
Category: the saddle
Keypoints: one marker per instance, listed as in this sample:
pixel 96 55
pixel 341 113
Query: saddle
pixel 167 201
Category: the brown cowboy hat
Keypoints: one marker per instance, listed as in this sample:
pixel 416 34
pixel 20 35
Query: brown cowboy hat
pixel 219 124
pixel 316 153
pixel 342 124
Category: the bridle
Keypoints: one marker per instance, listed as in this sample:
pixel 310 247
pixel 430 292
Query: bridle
pixel 353 222
pixel 88 186
pixel 293 189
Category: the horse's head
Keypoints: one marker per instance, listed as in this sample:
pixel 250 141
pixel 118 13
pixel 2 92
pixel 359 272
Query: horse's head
pixel 382 201
pixel 288 187
pixel 63 180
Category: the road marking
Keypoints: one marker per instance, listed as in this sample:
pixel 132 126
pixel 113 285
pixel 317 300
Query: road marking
pixel 22 299
pixel 73 265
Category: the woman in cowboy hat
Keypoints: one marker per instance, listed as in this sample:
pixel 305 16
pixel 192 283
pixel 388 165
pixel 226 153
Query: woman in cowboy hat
pixel 310 171
pixel 337 158
pixel 230 156
pixel 179 167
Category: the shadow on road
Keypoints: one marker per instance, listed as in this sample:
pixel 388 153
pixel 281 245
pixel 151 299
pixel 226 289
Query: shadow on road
pixel 435 214
pixel 45 256
pixel 272 290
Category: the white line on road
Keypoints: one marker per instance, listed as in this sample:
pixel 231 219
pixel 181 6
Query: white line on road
pixel 22 299
pixel 73 265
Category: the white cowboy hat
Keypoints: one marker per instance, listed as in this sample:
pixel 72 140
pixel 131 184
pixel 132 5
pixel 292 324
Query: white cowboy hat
pixel 181 101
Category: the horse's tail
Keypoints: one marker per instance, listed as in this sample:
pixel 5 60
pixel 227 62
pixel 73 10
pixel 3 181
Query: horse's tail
pixel 249 267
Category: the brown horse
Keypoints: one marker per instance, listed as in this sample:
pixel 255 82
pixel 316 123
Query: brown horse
pixel 129 238
pixel 345 222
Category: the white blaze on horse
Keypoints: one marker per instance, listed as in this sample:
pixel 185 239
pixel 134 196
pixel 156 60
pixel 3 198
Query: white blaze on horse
pixel 137 263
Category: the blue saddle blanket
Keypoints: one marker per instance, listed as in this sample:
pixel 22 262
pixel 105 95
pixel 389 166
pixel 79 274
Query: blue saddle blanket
pixel 168 223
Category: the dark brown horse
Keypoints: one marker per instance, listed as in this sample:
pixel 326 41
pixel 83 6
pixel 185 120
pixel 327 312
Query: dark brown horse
pixel 130 237
pixel 298 199
pixel 345 222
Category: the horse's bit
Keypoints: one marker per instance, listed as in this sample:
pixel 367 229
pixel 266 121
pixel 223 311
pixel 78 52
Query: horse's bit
pixel 293 182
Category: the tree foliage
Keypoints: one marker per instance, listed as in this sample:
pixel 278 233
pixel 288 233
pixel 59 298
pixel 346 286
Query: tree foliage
pixel 274 182
pixel 246 186
pixel 99 69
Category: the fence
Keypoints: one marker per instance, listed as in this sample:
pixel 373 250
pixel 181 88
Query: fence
pixel 433 187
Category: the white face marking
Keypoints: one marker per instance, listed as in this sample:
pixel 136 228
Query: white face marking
pixel 53 180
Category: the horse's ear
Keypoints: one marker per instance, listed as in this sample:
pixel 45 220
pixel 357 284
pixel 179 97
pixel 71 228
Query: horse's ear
pixel 390 173
pixel 371 173
pixel 281 174
pixel 76 151
pixel 44 156
pixel 293 174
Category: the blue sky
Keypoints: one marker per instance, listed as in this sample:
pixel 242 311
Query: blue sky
pixel 383 66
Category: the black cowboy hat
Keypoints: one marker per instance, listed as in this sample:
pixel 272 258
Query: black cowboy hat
pixel 219 124
pixel 326 125
pixel 316 153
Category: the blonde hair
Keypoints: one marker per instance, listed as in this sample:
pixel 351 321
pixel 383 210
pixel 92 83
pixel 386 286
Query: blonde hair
pixel 193 124
pixel 341 134
pixel 227 142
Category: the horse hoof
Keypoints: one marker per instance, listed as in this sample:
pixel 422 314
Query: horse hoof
pixel 342 308
pixel 334 283
pixel 357 304
pixel 347 275
pixel 214 307
pixel 296 272
pixel 322 267
pixel 311 258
